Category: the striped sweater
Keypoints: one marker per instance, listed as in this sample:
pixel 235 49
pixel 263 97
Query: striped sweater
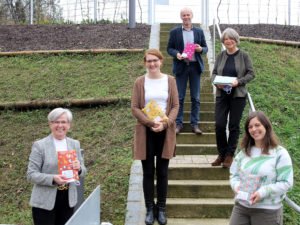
pixel 275 171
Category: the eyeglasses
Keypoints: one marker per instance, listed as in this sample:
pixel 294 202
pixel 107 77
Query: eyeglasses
pixel 152 61
pixel 59 122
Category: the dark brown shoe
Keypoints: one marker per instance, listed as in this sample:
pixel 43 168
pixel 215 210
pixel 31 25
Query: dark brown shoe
pixel 196 130
pixel 178 128
pixel 218 161
pixel 227 162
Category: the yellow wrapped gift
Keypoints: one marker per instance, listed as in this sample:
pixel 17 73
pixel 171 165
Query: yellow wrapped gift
pixel 154 112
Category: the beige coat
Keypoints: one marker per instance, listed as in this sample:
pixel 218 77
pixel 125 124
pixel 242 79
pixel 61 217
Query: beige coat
pixel 137 103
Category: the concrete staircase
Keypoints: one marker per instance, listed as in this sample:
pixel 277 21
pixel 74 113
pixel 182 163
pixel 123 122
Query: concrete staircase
pixel 198 194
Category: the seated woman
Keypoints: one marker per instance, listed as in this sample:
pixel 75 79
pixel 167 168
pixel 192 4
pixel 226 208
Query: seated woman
pixel 53 198
pixel 260 175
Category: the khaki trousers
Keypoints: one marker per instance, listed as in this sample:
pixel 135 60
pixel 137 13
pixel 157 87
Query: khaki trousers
pixel 242 215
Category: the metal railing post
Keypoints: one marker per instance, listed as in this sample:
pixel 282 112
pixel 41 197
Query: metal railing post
pixel 95 11
pixel 31 12
pixel 132 22
pixel 214 40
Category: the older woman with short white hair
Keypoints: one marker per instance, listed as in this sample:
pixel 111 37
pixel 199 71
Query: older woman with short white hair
pixel 53 198
pixel 230 99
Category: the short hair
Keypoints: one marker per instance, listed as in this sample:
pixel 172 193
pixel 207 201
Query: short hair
pixel 186 9
pixel 57 112
pixel 270 140
pixel 155 52
pixel 231 34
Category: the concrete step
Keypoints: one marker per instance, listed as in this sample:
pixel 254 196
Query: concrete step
pixel 199 207
pixel 202 221
pixel 191 138
pixel 204 96
pixel 205 126
pixel 204 115
pixel 199 189
pixel 197 171
pixel 196 149
pixel 205 106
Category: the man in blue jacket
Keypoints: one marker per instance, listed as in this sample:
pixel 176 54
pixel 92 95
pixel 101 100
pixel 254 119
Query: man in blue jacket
pixel 186 69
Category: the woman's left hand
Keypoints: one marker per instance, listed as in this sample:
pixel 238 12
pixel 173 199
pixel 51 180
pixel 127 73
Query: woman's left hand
pixel 198 48
pixel 235 83
pixel 254 198
pixel 76 165
pixel 158 127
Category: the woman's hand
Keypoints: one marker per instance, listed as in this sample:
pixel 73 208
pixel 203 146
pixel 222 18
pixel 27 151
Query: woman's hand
pixel 254 198
pixel 59 179
pixel 219 86
pixel 158 127
pixel 235 83
pixel 76 165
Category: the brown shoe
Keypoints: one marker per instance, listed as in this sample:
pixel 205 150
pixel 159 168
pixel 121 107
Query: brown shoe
pixel 227 162
pixel 178 128
pixel 218 161
pixel 196 129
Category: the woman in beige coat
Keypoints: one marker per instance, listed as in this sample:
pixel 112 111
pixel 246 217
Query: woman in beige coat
pixel 155 138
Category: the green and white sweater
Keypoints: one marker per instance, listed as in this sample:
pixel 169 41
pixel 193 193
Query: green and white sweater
pixel 275 171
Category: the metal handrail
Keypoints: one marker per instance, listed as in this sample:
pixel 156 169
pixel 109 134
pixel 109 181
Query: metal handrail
pixel 288 201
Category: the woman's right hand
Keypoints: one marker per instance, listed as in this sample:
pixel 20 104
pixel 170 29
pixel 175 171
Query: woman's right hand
pixel 59 179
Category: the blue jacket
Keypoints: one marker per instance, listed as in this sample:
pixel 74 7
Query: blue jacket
pixel 176 45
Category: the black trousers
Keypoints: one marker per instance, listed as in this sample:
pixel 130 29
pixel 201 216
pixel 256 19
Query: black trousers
pixel 154 147
pixel 227 104
pixel 59 215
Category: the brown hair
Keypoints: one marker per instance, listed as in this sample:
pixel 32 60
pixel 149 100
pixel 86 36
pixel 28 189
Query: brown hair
pixel 270 140
pixel 155 52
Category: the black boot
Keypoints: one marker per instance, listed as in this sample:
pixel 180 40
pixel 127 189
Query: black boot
pixel 161 215
pixel 149 220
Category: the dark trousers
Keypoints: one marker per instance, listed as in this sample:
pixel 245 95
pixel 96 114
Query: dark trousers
pixel 192 73
pixel 227 104
pixel 155 143
pixel 242 215
pixel 59 215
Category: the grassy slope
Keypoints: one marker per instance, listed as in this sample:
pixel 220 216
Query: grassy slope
pixel 276 91
pixel 106 133
pixel 67 76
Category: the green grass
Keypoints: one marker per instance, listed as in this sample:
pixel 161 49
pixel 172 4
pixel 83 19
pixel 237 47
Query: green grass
pixel 276 91
pixel 106 133
pixel 68 76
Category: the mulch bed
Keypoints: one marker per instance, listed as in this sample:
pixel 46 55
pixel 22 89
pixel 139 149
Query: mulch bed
pixel 62 37
pixel 268 31
pixel 112 36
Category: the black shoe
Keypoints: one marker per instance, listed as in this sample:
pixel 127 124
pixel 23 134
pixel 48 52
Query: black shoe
pixel 196 129
pixel 178 128
pixel 149 220
pixel 161 216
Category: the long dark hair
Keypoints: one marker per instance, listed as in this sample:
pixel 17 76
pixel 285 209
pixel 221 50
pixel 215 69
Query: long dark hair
pixel 270 140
